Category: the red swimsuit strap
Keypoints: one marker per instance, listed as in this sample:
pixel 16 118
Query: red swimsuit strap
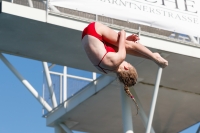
pixel 100 63
pixel 103 69
pixel 102 59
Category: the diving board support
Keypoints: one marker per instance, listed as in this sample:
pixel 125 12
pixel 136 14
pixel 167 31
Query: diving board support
pixel 141 110
pixel 26 83
pixel 87 91
pixel 153 104
pixel 126 112
pixel 50 85
pixel 58 129
pixel 65 128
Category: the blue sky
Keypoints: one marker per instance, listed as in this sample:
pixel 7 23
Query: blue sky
pixel 20 111
pixel 192 128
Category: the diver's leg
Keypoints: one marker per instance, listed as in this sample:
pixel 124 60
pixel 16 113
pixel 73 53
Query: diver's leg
pixel 132 48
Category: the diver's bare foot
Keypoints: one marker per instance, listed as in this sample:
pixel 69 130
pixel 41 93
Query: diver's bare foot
pixel 160 60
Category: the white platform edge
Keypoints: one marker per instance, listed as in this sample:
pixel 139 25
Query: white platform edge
pixel 151 42
pixel 23 11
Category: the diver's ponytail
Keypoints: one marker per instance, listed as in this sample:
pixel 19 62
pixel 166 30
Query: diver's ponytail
pixel 126 89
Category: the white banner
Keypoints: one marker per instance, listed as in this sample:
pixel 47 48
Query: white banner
pixel 180 16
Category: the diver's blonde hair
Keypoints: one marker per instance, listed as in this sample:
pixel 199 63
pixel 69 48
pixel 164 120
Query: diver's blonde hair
pixel 128 78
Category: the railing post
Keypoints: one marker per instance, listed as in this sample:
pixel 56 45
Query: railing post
pixel 153 104
pixel 61 89
pixel 139 32
pixel 47 7
pixel 96 17
pixel 94 77
pixel 50 85
pixel 64 83
pixel 30 3
pixel 0 6
pixel 193 39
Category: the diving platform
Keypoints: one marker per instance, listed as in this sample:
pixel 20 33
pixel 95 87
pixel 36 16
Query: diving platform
pixel 56 38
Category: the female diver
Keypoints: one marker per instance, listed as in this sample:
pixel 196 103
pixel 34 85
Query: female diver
pixel 107 51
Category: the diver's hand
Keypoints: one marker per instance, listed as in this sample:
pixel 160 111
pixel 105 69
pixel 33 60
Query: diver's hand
pixel 133 37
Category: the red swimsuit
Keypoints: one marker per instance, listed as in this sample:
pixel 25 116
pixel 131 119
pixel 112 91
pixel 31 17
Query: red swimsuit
pixel 90 30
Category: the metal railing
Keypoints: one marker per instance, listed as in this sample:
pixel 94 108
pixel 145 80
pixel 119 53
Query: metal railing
pixel 74 84
pixel 134 27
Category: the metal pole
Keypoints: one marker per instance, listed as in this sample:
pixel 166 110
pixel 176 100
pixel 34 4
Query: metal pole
pixel 126 112
pixel 50 85
pixel 64 83
pixel 51 7
pixel 96 17
pixel 58 129
pixel 153 104
pixel 141 110
pixel 193 39
pixel 30 3
pixel 94 76
pixel 26 83
pixel 61 91
pixel 0 6
pixel 51 66
pixel 47 7
pixel 139 32
pixel 43 97
pixel 67 130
